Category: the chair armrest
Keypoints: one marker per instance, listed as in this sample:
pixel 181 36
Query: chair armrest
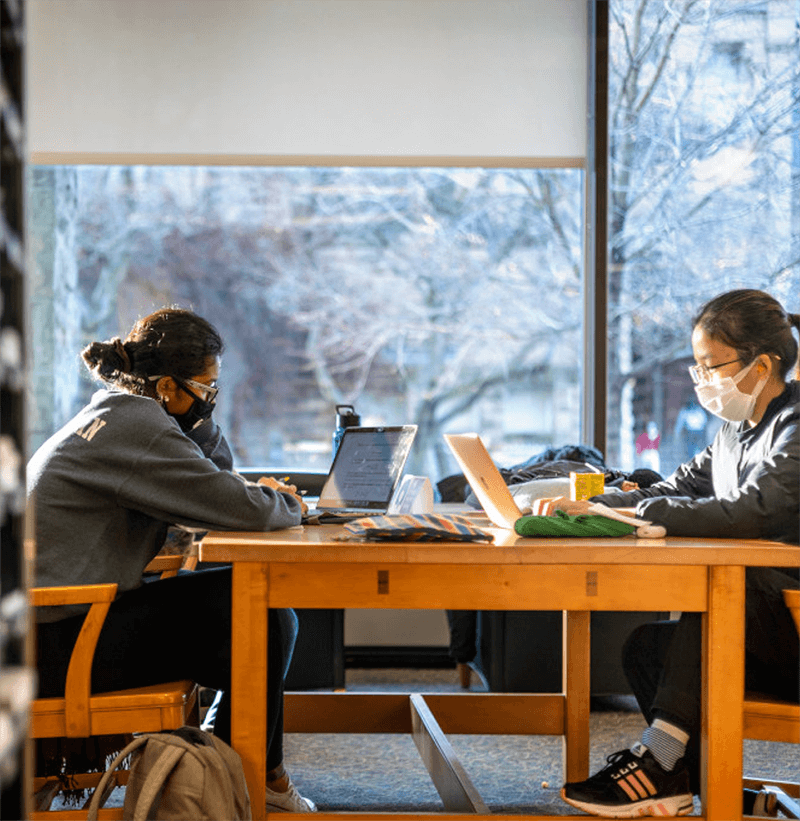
pixel 77 594
pixel 79 673
pixel 165 565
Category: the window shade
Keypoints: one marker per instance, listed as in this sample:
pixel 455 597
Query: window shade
pixel 178 80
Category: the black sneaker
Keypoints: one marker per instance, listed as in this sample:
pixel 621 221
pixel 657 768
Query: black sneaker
pixel 631 785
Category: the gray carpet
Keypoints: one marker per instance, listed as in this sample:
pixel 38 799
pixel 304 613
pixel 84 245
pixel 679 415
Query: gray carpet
pixel 513 774
pixel 384 772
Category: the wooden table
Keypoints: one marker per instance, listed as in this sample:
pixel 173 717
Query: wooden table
pixel 307 568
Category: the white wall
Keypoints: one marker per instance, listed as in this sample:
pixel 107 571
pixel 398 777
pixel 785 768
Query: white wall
pixel 239 80
pixel 395 628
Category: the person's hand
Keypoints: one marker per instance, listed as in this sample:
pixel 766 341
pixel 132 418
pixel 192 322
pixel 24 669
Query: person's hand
pixel 548 507
pixel 289 490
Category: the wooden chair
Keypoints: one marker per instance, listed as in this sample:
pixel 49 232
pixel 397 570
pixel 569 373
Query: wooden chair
pixel 168 566
pixel 770 719
pixel 79 714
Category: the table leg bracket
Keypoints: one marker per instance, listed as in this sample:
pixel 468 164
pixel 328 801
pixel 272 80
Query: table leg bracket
pixel 454 786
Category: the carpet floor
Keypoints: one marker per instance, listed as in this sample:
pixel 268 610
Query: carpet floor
pixel 513 774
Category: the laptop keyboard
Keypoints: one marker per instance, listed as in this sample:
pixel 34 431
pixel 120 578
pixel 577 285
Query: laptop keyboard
pixel 333 516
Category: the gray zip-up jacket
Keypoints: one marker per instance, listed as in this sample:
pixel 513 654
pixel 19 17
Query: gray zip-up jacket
pixel 745 484
pixel 108 485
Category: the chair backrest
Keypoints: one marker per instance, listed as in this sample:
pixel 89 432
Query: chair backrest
pixel 792 599
pixel 79 673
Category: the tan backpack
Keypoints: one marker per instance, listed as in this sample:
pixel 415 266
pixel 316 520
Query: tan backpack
pixel 185 775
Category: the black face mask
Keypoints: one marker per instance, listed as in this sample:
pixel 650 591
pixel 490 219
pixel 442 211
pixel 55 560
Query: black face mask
pixel 197 413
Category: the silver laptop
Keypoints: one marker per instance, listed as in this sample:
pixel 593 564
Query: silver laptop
pixel 484 478
pixel 365 472
pixel 489 486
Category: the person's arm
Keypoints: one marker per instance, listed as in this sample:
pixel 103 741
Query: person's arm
pixel 690 480
pixel 764 506
pixel 172 481
pixel 208 437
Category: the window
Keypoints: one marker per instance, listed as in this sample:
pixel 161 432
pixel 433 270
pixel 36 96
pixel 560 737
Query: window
pixel 446 297
pixel 704 196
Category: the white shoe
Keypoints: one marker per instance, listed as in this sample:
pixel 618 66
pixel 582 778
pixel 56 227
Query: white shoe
pixel 289 801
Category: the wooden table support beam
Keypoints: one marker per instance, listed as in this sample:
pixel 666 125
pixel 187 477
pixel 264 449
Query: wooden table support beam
pixel 457 792
pixel 456 713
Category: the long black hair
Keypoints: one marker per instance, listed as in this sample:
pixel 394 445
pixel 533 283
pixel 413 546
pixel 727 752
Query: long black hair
pixel 752 322
pixel 169 342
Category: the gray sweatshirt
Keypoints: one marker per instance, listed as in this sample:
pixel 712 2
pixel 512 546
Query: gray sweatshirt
pixel 108 485
pixel 746 484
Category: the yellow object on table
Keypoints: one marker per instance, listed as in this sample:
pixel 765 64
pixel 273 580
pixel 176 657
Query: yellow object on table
pixel 585 485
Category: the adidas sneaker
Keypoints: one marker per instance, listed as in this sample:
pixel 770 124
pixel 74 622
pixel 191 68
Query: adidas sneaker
pixel 631 785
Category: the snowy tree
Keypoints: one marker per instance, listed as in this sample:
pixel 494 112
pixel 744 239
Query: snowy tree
pixel 703 184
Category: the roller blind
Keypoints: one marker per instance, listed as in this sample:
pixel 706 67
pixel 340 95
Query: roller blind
pixel 243 80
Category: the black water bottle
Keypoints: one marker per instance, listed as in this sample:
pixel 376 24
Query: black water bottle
pixel 346 417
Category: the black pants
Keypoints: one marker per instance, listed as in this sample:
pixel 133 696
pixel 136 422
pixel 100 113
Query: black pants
pixel 463 635
pixel 167 630
pixel 662 659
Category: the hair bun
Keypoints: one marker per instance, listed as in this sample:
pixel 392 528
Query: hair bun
pixel 107 359
pixel 125 360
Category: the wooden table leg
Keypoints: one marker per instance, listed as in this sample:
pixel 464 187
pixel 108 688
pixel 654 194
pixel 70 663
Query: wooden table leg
pixel 576 687
pixel 723 695
pixel 249 677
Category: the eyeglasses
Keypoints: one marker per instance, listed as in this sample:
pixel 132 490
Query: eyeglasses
pixel 208 392
pixel 702 373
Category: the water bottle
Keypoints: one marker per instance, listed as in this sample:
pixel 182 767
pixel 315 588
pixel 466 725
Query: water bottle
pixel 346 417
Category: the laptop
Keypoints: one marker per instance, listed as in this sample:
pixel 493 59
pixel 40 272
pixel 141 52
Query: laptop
pixel 489 486
pixel 484 478
pixel 365 472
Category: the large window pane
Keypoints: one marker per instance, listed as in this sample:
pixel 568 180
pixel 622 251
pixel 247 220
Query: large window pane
pixel 704 196
pixel 446 297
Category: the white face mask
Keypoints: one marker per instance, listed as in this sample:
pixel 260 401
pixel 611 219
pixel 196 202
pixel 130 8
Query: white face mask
pixel 721 397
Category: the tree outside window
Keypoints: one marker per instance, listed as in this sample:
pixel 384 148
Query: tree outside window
pixel 704 196
pixel 446 297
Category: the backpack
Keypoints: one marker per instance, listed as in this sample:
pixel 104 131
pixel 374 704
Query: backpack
pixel 177 776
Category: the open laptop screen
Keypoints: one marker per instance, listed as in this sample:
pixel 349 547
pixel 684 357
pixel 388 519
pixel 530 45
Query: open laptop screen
pixel 367 468
pixel 484 478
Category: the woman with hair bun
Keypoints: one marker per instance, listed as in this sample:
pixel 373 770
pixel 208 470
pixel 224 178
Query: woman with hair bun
pixel 142 456
pixel 745 485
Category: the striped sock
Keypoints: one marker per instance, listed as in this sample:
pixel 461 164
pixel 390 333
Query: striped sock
pixel 666 742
